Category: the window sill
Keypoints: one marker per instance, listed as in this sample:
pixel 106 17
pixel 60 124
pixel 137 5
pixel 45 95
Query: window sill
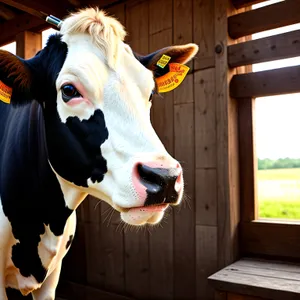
pixel 259 278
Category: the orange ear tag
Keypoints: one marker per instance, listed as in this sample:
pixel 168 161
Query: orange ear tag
pixel 5 93
pixel 173 78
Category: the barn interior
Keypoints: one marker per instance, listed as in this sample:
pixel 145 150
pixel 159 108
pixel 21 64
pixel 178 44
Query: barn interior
pixel 215 246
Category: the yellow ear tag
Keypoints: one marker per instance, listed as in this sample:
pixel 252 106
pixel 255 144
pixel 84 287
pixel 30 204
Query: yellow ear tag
pixel 5 92
pixel 163 61
pixel 173 79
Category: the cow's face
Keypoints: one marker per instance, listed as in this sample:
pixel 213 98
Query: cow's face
pixel 97 117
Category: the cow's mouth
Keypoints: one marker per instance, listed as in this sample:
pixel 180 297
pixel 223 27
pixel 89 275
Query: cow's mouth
pixel 151 214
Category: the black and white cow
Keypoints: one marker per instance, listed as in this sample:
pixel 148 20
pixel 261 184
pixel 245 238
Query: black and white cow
pixel 78 123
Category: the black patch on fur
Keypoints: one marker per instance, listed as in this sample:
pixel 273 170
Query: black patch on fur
pixel 69 241
pixel 30 193
pixel 30 136
pixel 74 147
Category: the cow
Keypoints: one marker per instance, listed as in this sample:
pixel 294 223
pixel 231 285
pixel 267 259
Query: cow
pixel 75 121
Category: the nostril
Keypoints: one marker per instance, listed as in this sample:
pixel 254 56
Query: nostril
pixel 149 174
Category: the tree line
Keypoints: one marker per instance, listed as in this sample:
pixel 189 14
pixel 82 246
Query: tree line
pixel 282 163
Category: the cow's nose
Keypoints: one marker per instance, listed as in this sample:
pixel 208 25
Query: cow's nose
pixel 163 185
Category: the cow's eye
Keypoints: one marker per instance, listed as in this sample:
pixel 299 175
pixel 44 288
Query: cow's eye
pixel 69 92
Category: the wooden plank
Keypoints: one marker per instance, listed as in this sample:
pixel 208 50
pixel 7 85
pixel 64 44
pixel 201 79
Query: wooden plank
pixel 271 239
pixel 256 21
pixel 112 239
pixel 6 13
pixel 137 268
pixel 161 18
pixel 269 265
pixel 39 9
pixel 248 160
pixel 227 146
pixel 206 197
pixel 184 93
pixel 137 26
pixel 257 281
pixel 118 11
pixel 266 83
pixel 10 29
pixel 183 10
pixel 74 291
pixel 184 218
pixel 207 260
pixel 95 256
pixel 245 3
pixel 161 240
pixel 184 133
pixel 204 34
pixel 28 44
pixel 280 46
pixel 205 118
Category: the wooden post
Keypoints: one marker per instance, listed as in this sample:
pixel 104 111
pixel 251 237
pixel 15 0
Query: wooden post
pixel 227 143
pixel 28 44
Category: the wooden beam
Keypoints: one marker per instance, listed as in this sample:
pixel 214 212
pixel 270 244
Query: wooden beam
pixel 259 278
pixel 6 13
pixel 248 159
pixel 245 3
pixel 266 83
pixel 271 238
pixel 275 47
pixel 24 22
pixel 38 8
pixel 28 44
pixel 76 3
pixel 265 18
pixel 227 143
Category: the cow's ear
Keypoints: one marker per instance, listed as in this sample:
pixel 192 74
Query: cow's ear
pixel 176 54
pixel 15 79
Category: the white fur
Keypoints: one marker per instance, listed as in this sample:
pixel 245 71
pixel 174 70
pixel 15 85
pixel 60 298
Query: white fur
pixel 123 96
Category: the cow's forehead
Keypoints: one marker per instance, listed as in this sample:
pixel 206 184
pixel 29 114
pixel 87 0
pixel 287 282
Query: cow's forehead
pixel 87 63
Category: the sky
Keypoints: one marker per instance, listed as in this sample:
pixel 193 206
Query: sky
pixel 277 123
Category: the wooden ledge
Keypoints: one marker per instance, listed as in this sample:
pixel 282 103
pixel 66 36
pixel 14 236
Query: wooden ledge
pixel 260 278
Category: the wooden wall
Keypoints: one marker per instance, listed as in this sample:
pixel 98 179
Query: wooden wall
pixel 173 261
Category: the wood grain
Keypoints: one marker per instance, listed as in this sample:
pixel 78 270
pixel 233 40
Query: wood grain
pixel 258 281
pixel 207 259
pixel 227 146
pixel 28 44
pixel 161 240
pixel 254 21
pixel 248 160
pixel 205 118
pixel 183 10
pixel 206 197
pixel 184 218
pixel 204 33
pixel 161 16
pixel 266 83
pixel 245 3
pixel 113 252
pixel 137 25
pixel 277 239
pixel 10 29
pixel 280 46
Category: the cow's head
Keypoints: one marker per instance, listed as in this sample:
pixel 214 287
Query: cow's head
pixel 96 96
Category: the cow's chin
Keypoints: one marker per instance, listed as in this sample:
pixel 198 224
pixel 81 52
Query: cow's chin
pixel 139 216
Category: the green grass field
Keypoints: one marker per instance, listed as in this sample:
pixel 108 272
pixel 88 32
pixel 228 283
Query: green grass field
pixel 279 193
